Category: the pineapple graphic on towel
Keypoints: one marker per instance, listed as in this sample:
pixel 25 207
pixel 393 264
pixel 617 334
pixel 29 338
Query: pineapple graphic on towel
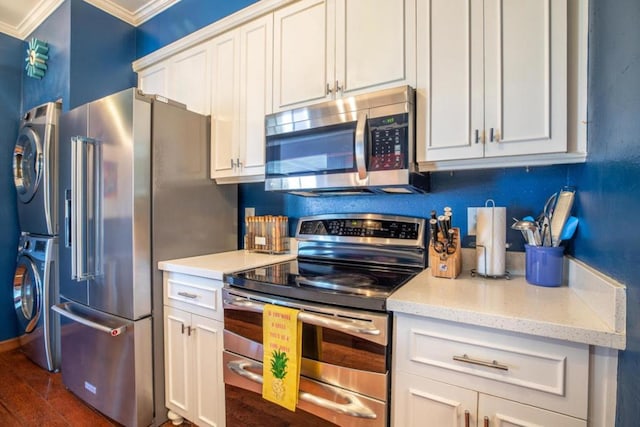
pixel 282 343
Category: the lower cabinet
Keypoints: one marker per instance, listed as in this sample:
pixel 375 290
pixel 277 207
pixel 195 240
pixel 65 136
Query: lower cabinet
pixel 194 386
pixel 452 374
pixel 444 405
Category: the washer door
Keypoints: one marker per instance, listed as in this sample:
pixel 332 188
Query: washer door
pixel 27 164
pixel 27 294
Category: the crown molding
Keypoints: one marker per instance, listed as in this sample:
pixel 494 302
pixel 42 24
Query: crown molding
pixel 202 35
pixel 142 14
pixel 32 20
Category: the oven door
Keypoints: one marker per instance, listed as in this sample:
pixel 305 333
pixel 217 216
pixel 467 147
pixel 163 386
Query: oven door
pixel 345 361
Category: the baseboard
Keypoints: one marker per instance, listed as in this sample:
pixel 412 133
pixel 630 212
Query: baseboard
pixel 9 345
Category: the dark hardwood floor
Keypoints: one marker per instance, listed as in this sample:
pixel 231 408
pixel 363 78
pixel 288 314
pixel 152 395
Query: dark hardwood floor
pixel 31 396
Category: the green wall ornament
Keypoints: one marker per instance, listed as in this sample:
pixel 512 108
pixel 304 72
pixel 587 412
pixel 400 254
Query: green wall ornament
pixel 37 58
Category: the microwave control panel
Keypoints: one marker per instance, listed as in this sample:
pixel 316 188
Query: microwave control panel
pixel 389 142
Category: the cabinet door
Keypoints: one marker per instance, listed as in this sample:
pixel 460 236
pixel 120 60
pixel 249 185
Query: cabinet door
pixel 419 401
pixel 224 111
pixel 176 358
pixel 450 94
pixel 207 347
pixel 525 76
pixel 304 46
pixel 189 79
pixel 375 44
pixel 506 413
pixel 155 80
pixel 256 75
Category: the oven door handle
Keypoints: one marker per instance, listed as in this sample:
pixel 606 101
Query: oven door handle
pixel 353 407
pixel 353 326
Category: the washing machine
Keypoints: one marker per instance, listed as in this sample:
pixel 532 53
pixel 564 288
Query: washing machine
pixel 35 290
pixel 35 170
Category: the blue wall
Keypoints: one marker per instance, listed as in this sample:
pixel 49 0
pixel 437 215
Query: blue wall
pixel 183 18
pixel 611 179
pixel 90 55
pixel 11 50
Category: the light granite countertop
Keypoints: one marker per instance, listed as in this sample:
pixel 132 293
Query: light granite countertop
pixel 590 308
pixel 215 266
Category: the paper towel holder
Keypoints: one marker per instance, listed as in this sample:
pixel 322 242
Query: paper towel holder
pixel 474 272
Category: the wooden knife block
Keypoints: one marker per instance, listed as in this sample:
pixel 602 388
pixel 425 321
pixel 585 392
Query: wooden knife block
pixel 446 265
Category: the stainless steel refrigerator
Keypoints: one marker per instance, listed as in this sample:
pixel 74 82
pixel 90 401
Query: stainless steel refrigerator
pixel 134 190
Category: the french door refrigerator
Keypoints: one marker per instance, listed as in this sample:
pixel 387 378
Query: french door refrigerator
pixel 134 190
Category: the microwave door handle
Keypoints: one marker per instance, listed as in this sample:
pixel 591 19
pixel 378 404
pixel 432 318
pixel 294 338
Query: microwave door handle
pixel 310 318
pixel 353 406
pixel 361 135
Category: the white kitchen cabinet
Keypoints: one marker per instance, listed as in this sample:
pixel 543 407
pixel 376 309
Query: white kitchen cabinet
pixel 184 77
pixel 444 369
pixel 446 405
pixel 155 79
pixel 329 49
pixel 241 95
pixel 194 385
pixel 492 81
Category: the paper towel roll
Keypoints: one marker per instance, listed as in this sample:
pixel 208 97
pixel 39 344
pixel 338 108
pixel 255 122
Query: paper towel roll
pixel 491 236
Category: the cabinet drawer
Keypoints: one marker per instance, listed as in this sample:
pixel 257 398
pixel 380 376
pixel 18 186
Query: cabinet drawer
pixel 544 372
pixel 194 294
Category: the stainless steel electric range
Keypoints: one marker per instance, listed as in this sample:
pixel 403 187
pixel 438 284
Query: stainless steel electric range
pixel 347 266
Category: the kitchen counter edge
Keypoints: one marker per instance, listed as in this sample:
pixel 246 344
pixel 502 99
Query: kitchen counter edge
pixel 590 308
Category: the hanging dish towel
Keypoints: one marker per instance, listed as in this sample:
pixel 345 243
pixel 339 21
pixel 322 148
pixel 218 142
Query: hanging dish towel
pixel 282 342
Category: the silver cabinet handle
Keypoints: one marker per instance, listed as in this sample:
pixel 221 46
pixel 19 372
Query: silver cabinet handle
pixel 312 319
pixel 361 134
pixel 353 407
pixel 232 164
pixel 338 87
pixel 238 163
pixel 66 310
pixel 493 364
pixel 188 295
pixel 477 136
pixel 329 91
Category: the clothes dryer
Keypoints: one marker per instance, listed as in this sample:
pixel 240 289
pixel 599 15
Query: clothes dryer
pixel 35 170
pixel 35 290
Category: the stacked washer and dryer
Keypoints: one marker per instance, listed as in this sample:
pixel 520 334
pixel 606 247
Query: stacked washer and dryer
pixel 35 283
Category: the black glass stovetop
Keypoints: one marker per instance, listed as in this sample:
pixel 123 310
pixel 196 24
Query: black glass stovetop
pixel 325 282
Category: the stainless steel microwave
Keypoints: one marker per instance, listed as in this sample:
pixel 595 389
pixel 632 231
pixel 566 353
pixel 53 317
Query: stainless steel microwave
pixel 356 145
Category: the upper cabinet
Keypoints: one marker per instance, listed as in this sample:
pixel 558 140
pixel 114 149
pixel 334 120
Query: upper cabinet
pixel 334 48
pixel 183 78
pixel 493 83
pixel 241 96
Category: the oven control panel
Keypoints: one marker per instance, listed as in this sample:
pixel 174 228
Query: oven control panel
pixel 353 227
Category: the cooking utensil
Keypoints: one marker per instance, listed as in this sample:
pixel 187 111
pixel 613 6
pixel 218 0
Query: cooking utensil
pixel 569 228
pixel 529 230
pixel 561 212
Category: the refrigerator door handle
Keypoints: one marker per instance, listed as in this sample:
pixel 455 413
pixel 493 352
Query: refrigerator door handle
pixel 66 310
pixel 86 208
